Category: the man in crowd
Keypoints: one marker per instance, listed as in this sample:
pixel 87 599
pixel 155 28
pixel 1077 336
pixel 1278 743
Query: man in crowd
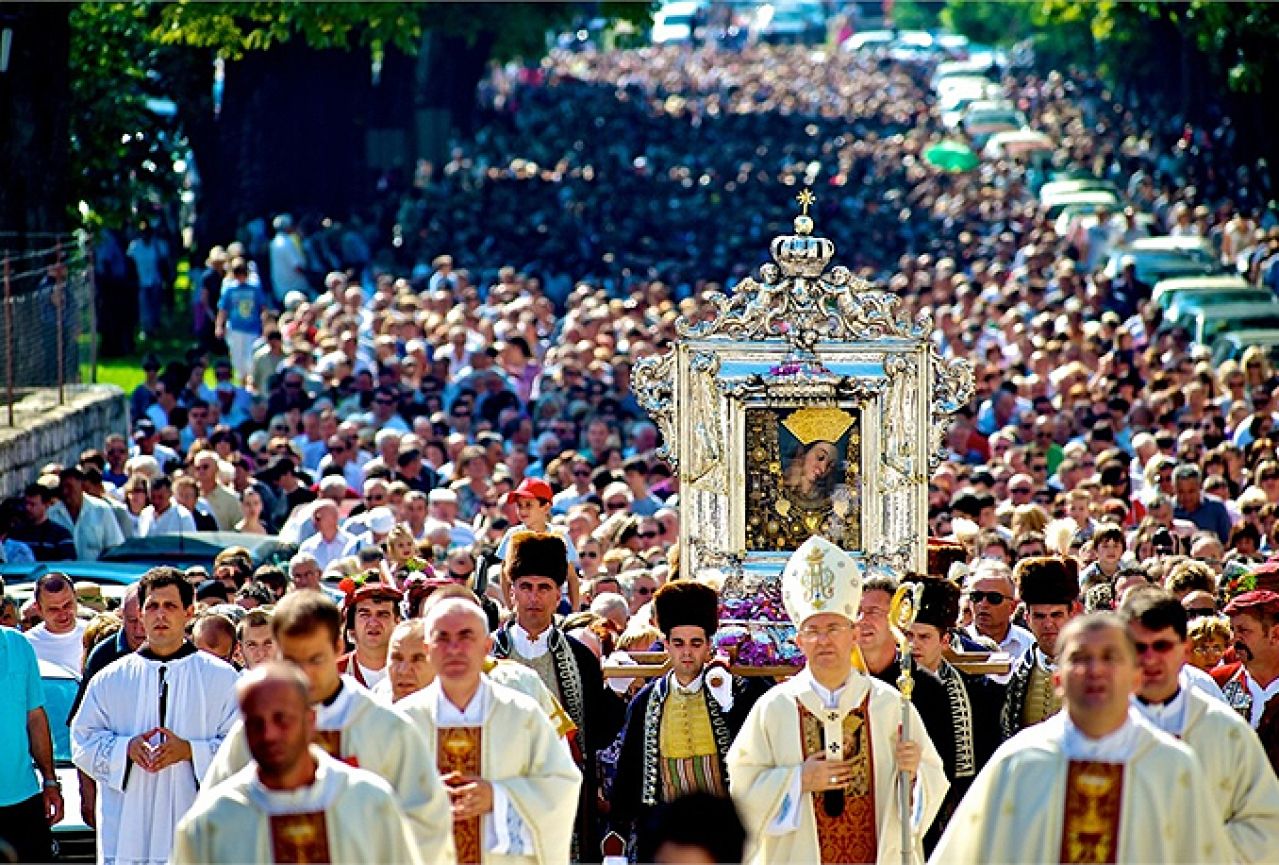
pixel 92 524
pixel 513 784
pixel 1094 782
pixel 28 806
pixel 49 541
pixel 969 730
pixel 59 639
pixel 1049 587
pixel 1250 685
pixel 330 541
pixel 164 516
pixel 1237 770
pixel 223 503
pixel 823 789
pixel 680 725
pixel 993 597
pixel 257 642
pixel 536 568
pixel 349 725
pixel 372 612
pixel 293 802
pixel 408 667
pixel 150 725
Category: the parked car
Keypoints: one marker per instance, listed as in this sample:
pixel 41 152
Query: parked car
pixel 790 21
pixel 73 839
pixel 199 548
pixel 1166 291
pixel 1206 324
pixel 674 22
pixel 1160 258
pixel 1231 346
pixel 1187 303
pixel 103 573
pixel 1077 203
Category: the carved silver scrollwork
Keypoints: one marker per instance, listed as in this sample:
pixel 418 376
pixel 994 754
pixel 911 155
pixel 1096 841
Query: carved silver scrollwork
pixel 952 389
pixel 653 381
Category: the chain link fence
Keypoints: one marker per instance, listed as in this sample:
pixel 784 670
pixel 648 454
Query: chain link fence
pixel 49 324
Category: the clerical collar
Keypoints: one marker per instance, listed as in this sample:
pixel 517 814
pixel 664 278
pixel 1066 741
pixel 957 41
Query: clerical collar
pixel 1143 701
pixel 449 715
pixel 829 698
pixel 186 650
pixel 1168 715
pixel 526 646
pixel 316 796
pixel 333 698
pixel 1114 747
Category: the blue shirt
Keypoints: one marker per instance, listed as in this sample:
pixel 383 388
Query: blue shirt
pixel 243 304
pixel 23 692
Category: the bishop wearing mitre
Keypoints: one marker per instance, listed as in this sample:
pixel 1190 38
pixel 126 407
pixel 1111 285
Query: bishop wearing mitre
pixel 817 767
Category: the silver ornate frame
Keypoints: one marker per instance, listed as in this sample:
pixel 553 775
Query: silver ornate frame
pixel 802 336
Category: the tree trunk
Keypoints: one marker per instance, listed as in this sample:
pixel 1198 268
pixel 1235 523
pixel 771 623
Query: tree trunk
pixel 449 69
pixel 34 100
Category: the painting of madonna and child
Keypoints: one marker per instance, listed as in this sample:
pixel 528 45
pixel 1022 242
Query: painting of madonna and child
pixel 803 477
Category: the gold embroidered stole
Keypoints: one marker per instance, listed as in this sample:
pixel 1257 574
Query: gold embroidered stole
pixel 458 750
pixel 300 839
pixel 1094 800
pixel 843 734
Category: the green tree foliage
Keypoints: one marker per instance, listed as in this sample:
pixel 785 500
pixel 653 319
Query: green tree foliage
pixel 125 54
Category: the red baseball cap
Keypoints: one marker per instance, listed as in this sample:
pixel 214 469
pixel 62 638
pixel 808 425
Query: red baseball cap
pixel 533 488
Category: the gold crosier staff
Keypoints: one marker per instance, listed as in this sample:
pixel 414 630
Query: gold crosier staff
pixel 901 616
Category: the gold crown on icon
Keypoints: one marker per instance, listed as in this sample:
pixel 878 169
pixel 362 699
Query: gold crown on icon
pixel 801 254
pixel 818 424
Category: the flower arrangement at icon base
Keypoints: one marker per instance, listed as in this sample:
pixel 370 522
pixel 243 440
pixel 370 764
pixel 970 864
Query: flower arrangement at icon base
pixel 756 632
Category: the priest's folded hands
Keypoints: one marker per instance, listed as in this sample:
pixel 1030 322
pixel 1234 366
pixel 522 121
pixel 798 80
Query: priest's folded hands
pixel 470 795
pixel 158 748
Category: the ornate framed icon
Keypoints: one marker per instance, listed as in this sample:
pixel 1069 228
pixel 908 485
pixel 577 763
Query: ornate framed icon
pixel 810 403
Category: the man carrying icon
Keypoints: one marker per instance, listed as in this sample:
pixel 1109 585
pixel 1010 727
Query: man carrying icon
pixel 679 726
pixel 816 768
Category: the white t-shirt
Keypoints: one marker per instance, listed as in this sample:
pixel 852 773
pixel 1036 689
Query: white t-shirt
pixel 65 650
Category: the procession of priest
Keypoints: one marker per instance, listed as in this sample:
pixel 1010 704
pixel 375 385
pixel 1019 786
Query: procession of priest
pixel 1098 743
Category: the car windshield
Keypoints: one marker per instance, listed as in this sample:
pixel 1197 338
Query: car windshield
pixel 59 695
pixel 678 19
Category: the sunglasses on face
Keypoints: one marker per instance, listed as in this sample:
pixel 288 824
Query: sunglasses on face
pixel 992 598
pixel 646 535
pixel 1200 612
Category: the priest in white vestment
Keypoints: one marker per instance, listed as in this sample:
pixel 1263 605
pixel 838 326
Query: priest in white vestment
pixel 149 726
pixel 350 725
pixel 811 784
pixel 512 779
pixel 293 803
pixel 1093 783
pixel 1237 769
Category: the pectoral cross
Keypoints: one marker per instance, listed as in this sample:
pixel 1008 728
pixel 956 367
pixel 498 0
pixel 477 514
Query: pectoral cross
pixel 805 199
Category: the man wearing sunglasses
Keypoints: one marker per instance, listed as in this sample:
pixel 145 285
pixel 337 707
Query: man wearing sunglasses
pixel 1050 591
pixel 1239 775
pixel 993 597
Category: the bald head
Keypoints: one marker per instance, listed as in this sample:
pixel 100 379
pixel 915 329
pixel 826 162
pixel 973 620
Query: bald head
pixel 278 724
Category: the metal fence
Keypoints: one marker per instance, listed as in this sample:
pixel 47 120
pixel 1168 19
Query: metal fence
pixel 49 322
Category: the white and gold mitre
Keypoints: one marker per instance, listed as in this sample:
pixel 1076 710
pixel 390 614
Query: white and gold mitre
pixel 821 578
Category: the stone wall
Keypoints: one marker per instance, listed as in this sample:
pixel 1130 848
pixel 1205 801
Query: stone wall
pixel 45 432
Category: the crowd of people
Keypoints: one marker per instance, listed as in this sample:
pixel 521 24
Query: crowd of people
pixel 440 416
